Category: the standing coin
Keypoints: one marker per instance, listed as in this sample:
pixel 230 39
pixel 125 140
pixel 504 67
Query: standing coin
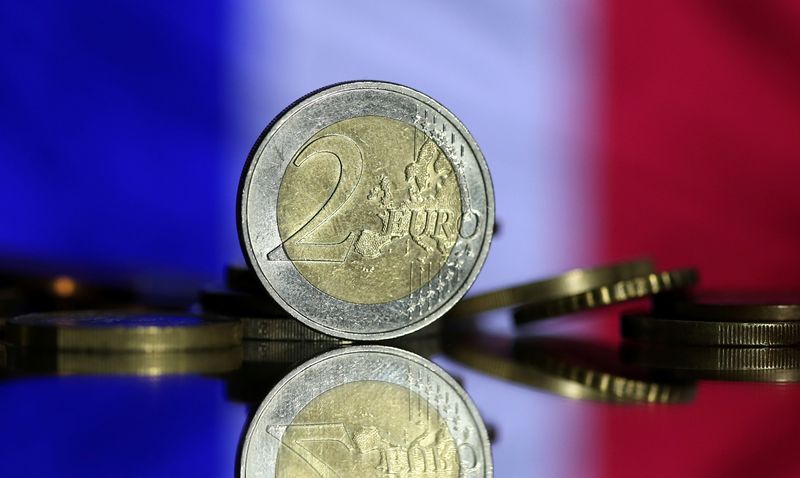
pixel 367 411
pixel 366 210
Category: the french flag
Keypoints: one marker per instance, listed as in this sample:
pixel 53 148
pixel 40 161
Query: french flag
pixel 613 130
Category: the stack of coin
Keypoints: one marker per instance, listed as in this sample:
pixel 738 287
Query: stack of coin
pixel 122 343
pixel 730 336
pixel 735 320
pixel 579 290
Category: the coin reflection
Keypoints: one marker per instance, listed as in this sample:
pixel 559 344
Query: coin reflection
pixel 400 434
pixel 571 368
pixel 367 411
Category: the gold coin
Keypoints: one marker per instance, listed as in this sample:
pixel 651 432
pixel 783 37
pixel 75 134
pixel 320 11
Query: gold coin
pixel 121 331
pixel 380 443
pixel 570 283
pixel 412 210
pixel 733 307
pixel 609 294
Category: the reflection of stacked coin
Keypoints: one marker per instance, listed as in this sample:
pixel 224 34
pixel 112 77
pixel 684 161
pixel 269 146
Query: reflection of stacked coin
pixel 570 368
pixel 762 364
pixel 714 320
pixel 366 210
pixel 423 423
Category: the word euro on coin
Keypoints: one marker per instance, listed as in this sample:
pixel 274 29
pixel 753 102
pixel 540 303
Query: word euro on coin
pixel 366 210
pixel 367 411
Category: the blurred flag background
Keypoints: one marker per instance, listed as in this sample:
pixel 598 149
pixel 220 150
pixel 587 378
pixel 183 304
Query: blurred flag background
pixel 612 130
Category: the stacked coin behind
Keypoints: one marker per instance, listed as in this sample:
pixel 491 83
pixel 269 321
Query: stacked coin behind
pixel 736 320
pixel 579 290
pixel 116 342
pixel 575 369
pixel 366 210
pixel 718 336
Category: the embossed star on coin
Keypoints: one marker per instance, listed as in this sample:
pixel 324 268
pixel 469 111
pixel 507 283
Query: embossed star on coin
pixel 366 210
pixel 367 411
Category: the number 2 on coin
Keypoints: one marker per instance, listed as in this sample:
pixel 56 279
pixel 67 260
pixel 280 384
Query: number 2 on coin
pixel 350 160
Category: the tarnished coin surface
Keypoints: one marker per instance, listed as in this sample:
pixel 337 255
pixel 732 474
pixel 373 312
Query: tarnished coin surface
pixel 366 210
pixel 367 411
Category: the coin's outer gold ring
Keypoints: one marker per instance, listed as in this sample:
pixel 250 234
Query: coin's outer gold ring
pixel 257 206
pixel 363 363
pixel 610 294
pixel 80 331
pixel 646 328
pixel 565 379
pixel 573 282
